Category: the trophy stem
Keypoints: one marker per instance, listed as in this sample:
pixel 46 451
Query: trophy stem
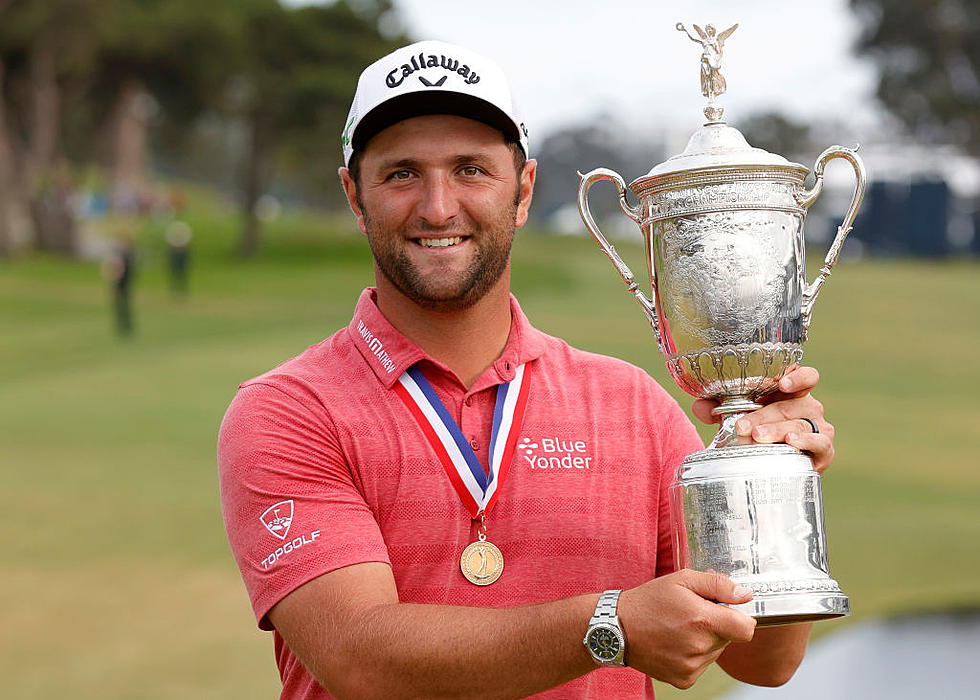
pixel 714 113
pixel 731 410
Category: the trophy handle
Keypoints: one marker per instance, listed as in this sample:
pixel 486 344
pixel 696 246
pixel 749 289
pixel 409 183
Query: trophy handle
pixel 632 212
pixel 808 198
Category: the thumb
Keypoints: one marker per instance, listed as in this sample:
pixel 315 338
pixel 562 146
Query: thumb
pixel 716 587
pixel 702 411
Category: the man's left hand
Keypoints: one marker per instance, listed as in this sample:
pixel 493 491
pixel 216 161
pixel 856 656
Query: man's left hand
pixel 779 419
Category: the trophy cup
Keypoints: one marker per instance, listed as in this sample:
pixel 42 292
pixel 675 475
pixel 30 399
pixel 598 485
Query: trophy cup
pixel 730 309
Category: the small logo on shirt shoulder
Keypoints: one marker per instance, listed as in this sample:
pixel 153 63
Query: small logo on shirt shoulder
pixel 278 518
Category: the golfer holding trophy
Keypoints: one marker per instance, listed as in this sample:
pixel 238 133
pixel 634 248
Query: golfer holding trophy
pixel 730 309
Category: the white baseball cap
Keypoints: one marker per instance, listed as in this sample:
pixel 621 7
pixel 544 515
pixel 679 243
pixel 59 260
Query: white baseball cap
pixel 430 77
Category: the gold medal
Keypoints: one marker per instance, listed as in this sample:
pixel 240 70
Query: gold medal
pixel 481 563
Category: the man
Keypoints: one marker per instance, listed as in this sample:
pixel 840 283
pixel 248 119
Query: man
pixel 364 481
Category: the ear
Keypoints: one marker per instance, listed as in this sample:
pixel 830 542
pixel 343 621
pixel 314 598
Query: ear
pixel 350 189
pixel 526 191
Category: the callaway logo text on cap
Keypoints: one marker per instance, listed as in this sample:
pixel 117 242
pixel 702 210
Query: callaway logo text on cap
pixel 430 77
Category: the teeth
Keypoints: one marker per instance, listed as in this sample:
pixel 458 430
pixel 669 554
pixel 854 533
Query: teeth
pixel 439 242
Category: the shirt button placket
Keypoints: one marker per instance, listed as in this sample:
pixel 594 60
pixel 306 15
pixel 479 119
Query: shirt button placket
pixel 473 439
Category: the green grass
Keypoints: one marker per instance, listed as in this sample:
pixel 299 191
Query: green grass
pixel 117 578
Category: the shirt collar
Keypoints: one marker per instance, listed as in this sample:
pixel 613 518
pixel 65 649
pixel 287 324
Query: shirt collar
pixel 389 353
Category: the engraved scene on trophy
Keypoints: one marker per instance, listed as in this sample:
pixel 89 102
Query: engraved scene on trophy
pixel 734 282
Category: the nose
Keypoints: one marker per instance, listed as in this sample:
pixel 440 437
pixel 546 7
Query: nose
pixel 439 203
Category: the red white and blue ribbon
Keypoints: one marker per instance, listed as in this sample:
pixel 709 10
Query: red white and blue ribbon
pixel 476 489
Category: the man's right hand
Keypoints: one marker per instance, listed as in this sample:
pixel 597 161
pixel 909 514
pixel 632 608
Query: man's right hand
pixel 675 628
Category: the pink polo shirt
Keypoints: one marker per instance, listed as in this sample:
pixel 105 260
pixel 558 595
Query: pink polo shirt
pixel 322 466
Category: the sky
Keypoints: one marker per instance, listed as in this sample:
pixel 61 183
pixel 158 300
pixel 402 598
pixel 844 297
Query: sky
pixel 571 61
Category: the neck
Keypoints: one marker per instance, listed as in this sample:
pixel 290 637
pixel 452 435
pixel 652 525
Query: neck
pixel 467 341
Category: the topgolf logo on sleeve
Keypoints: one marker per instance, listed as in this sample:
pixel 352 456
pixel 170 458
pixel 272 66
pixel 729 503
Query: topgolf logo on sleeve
pixel 278 518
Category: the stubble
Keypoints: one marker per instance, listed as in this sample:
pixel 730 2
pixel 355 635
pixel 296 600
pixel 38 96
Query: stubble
pixel 444 294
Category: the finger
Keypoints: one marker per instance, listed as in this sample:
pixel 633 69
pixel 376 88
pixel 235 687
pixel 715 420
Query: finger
pixel 777 431
pixel 794 390
pixel 734 626
pixel 715 587
pixel 778 411
pixel 818 445
pixel 702 411
pixel 799 379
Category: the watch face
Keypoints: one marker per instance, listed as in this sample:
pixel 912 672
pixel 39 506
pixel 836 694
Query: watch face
pixel 604 643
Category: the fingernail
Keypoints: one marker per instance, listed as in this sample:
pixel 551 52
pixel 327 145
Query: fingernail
pixel 743 427
pixel 792 437
pixel 761 434
pixel 742 591
pixel 785 384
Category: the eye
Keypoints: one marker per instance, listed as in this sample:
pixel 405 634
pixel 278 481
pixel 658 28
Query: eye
pixel 470 171
pixel 400 175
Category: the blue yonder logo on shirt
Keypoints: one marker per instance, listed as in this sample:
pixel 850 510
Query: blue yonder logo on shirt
pixel 555 453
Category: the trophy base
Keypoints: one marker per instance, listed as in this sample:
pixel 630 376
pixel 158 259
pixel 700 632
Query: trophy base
pixel 793 608
pixel 755 514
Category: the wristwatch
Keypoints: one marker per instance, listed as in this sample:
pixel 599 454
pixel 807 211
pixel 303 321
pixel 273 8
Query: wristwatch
pixel 605 639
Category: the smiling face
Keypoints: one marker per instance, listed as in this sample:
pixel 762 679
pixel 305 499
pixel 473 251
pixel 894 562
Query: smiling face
pixel 439 198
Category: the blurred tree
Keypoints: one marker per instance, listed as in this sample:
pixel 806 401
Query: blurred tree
pixel 301 66
pixel 14 224
pixel 600 142
pixel 39 48
pixel 71 70
pixel 173 55
pixel 777 133
pixel 85 67
pixel 928 55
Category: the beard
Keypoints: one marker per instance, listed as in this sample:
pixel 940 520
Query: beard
pixel 450 291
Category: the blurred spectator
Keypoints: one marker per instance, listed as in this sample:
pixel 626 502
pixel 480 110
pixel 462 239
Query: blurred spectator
pixel 178 242
pixel 119 269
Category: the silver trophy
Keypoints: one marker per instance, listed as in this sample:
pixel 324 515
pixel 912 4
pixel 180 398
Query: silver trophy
pixel 731 306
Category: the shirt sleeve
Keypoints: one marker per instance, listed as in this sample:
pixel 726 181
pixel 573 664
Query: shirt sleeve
pixel 680 438
pixel 291 507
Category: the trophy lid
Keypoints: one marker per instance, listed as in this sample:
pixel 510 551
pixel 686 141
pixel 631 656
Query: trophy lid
pixel 715 144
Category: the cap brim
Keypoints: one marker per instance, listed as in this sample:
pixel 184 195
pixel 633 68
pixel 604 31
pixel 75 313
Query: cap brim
pixel 422 103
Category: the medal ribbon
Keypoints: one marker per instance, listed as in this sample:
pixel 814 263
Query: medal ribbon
pixel 476 489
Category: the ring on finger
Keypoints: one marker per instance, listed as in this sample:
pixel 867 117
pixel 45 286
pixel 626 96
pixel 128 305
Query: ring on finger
pixel 813 424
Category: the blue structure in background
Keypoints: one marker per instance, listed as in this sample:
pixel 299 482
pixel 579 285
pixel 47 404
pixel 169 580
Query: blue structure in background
pixel 928 219
pixel 900 218
pixel 975 243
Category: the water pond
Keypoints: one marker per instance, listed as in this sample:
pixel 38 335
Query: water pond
pixel 932 656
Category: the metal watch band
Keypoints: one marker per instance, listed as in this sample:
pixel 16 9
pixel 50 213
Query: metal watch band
pixel 605 609
pixel 605 621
